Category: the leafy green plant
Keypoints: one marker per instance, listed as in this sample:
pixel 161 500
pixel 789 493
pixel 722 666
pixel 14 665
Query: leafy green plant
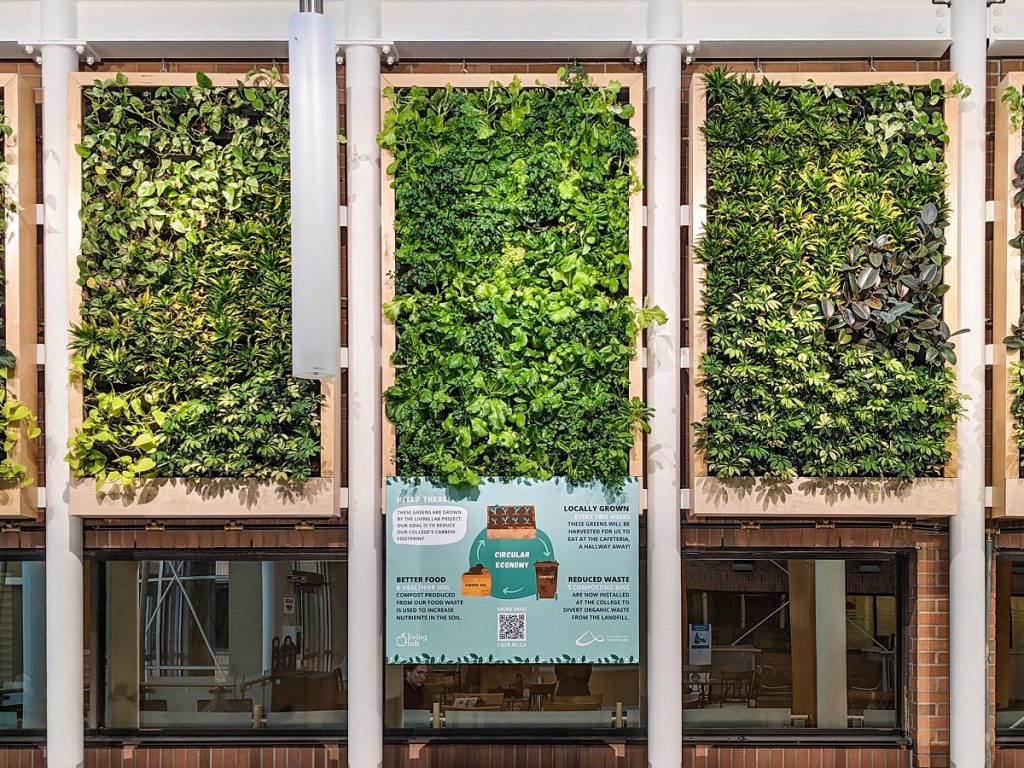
pixel 184 346
pixel 1015 99
pixel 14 415
pixel 1015 341
pixel 824 252
pixel 515 328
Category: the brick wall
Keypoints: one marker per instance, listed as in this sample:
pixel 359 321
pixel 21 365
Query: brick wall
pixel 795 757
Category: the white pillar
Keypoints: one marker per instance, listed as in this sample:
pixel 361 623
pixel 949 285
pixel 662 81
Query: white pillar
pixel 65 709
pixel 664 261
pixel 968 615
pixel 830 642
pixel 365 621
pixel 33 645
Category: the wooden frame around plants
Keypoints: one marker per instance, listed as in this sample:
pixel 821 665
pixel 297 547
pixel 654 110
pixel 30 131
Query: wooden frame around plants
pixel 20 273
pixel 634 85
pixel 183 497
pixel 812 497
pixel 1007 484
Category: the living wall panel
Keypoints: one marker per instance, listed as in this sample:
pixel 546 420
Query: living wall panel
pixel 631 93
pixel 196 497
pixel 19 281
pixel 1007 483
pixel 818 496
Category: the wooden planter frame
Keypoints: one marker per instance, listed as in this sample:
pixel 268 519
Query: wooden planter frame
pixel 182 497
pixel 634 84
pixel 20 273
pixel 1007 484
pixel 812 497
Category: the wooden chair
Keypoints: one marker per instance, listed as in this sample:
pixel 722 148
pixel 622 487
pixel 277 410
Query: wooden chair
pixel 540 693
pixel 734 687
pixel 770 690
pixel 573 704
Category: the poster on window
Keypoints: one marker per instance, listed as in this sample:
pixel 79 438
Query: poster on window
pixel 700 644
pixel 512 571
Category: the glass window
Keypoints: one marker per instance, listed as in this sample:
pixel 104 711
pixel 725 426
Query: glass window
pixel 235 644
pixel 573 696
pixel 788 642
pixel 22 645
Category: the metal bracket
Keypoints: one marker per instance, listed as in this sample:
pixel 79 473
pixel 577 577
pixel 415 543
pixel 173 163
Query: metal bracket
pixel 388 49
pixel 84 50
pixel 638 49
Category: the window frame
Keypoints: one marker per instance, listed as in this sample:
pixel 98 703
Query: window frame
pixel 1004 736
pixel 31 736
pixel 96 733
pixel 900 735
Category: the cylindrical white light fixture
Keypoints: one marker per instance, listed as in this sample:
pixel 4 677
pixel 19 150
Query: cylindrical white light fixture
pixel 316 273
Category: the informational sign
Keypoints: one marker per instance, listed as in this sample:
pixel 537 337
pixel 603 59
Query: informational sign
pixel 512 571
pixel 700 644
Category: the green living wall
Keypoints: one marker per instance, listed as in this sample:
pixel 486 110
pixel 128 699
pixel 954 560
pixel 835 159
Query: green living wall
pixel 184 344
pixel 14 415
pixel 827 351
pixel 1015 341
pixel 514 324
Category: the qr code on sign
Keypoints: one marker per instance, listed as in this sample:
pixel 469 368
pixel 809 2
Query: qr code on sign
pixel 511 626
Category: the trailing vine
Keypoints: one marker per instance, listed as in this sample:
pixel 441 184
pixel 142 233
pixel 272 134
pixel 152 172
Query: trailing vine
pixel 14 415
pixel 514 325
pixel 1015 341
pixel 184 344
pixel 828 354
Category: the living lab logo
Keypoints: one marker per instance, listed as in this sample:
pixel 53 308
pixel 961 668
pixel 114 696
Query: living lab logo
pixel 589 638
pixel 410 640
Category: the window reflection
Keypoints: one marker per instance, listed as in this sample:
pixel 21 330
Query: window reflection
pixel 790 643
pixel 226 644
pixel 513 696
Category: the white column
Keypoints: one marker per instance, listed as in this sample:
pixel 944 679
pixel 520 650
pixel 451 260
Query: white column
pixel 365 563
pixel 33 645
pixel 830 642
pixel 664 261
pixel 65 710
pixel 968 615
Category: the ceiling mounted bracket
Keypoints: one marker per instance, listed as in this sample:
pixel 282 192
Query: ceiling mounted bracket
pixel 86 53
pixel 639 48
pixel 388 50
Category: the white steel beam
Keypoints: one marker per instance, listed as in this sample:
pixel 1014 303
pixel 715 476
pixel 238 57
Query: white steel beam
pixel 810 29
pixel 517 29
pixel 65 638
pixel 21 21
pixel 664 563
pixel 365 550
pixel 968 610
pixel 1006 29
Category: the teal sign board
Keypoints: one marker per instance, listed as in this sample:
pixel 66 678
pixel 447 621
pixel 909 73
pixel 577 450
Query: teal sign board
pixel 512 571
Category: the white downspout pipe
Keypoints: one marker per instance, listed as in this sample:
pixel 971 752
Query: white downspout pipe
pixel 365 553
pixel 968 611
pixel 65 709
pixel 664 262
